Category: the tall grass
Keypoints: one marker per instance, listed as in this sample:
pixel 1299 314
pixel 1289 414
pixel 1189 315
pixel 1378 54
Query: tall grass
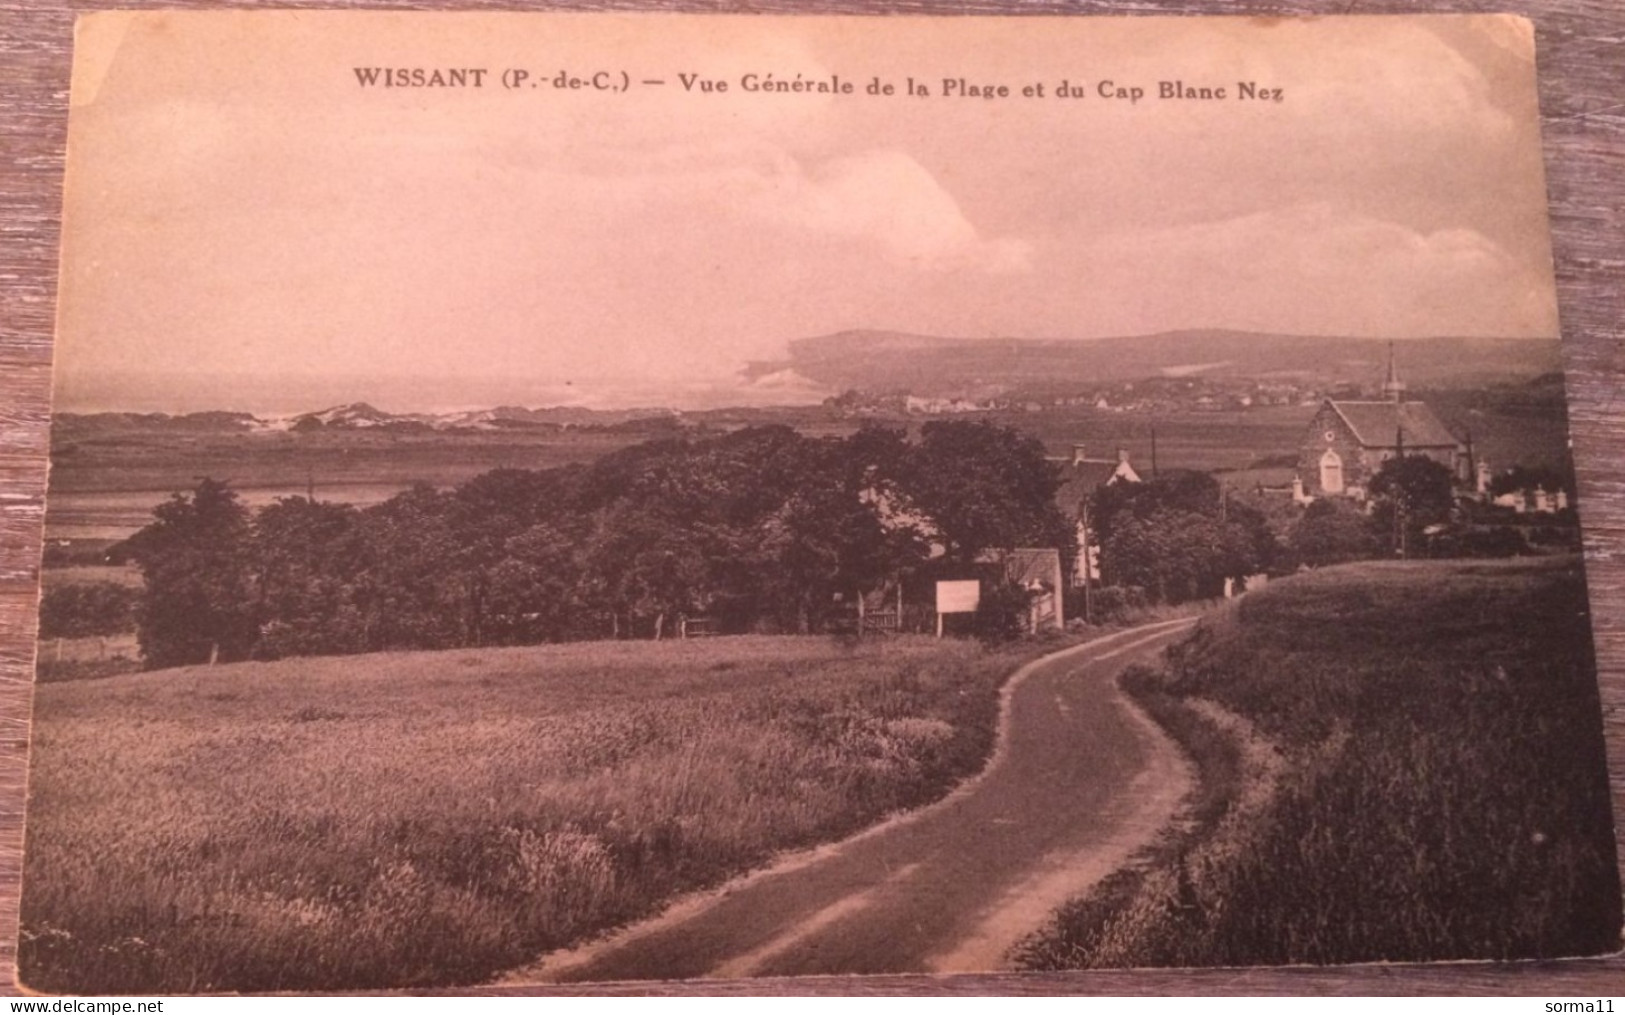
pixel 1442 792
pixel 433 818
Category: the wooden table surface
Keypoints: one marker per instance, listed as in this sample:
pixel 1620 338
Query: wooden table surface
pixel 1581 47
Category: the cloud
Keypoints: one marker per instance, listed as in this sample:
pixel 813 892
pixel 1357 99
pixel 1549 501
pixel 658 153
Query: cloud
pixel 883 202
pixel 889 200
pixel 1314 267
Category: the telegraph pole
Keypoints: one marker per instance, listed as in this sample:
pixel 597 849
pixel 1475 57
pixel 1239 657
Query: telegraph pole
pixel 1088 562
pixel 1400 494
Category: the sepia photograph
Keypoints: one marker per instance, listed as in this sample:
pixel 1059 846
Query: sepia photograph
pixel 583 498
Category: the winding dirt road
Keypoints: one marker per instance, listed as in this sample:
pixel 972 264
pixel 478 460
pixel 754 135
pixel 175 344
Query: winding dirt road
pixel 1080 779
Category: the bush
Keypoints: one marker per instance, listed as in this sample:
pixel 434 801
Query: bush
pixel 1491 541
pixel 1332 532
pixel 1113 604
pixel 1001 614
pixel 1555 535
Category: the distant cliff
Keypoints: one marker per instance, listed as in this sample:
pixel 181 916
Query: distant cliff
pixel 946 367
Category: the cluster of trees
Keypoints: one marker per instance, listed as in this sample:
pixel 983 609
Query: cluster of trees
pixel 760 529
pixel 1178 537
pixel 1409 497
pixel 763 528
pixel 1415 512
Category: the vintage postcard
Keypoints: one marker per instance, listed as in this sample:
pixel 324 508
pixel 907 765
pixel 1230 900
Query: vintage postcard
pixel 557 498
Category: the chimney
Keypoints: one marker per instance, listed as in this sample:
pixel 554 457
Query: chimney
pixel 1122 456
pixel 1077 453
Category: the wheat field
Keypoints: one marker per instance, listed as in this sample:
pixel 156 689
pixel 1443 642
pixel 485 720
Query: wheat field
pixel 424 819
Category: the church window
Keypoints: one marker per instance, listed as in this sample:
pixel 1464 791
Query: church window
pixel 1331 472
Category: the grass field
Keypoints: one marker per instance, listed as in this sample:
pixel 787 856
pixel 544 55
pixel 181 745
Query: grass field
pixel 433 818
pixel 1400 761
pixel 86 658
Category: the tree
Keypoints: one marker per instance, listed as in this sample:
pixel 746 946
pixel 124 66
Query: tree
pixel 1179 536
pixel 985 486
pixel 198 604
pixel 1174 490
pixel 412 592
pixel 641 566
pixel 1332 531
pixel 483 516
pixel 762 524
pixel 309 558
pixel 1177 555
pixel 825 535
pixel 1410 494
pixel 538 589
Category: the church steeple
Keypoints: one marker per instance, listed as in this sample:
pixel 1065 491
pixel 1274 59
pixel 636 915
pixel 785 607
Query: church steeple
pixel 1393 389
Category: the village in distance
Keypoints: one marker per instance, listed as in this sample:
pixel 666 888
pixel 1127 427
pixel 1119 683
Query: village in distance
pixel 630 655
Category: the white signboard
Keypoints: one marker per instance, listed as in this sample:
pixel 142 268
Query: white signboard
pixel 958 597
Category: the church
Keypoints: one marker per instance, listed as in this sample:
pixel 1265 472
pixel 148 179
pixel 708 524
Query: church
pixel 1348 441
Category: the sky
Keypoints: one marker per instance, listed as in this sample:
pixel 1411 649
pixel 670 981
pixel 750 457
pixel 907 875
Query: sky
pixel 248 227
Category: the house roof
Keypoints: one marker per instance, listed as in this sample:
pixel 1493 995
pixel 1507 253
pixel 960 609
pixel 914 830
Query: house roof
pixel 1025 567
pixel 1080 480
pixel 1376 424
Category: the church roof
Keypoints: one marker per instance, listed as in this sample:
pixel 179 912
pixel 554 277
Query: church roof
pixel 1375 424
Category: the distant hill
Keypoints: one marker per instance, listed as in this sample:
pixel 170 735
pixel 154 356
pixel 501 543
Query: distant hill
pixel 199 421
pixel 894 363
pixel 888 361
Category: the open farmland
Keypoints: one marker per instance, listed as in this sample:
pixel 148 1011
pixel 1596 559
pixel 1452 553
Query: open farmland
pixel 433 818
pixel 104 487
pixel 106 480
pixel 1400 761
pixel 160 459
